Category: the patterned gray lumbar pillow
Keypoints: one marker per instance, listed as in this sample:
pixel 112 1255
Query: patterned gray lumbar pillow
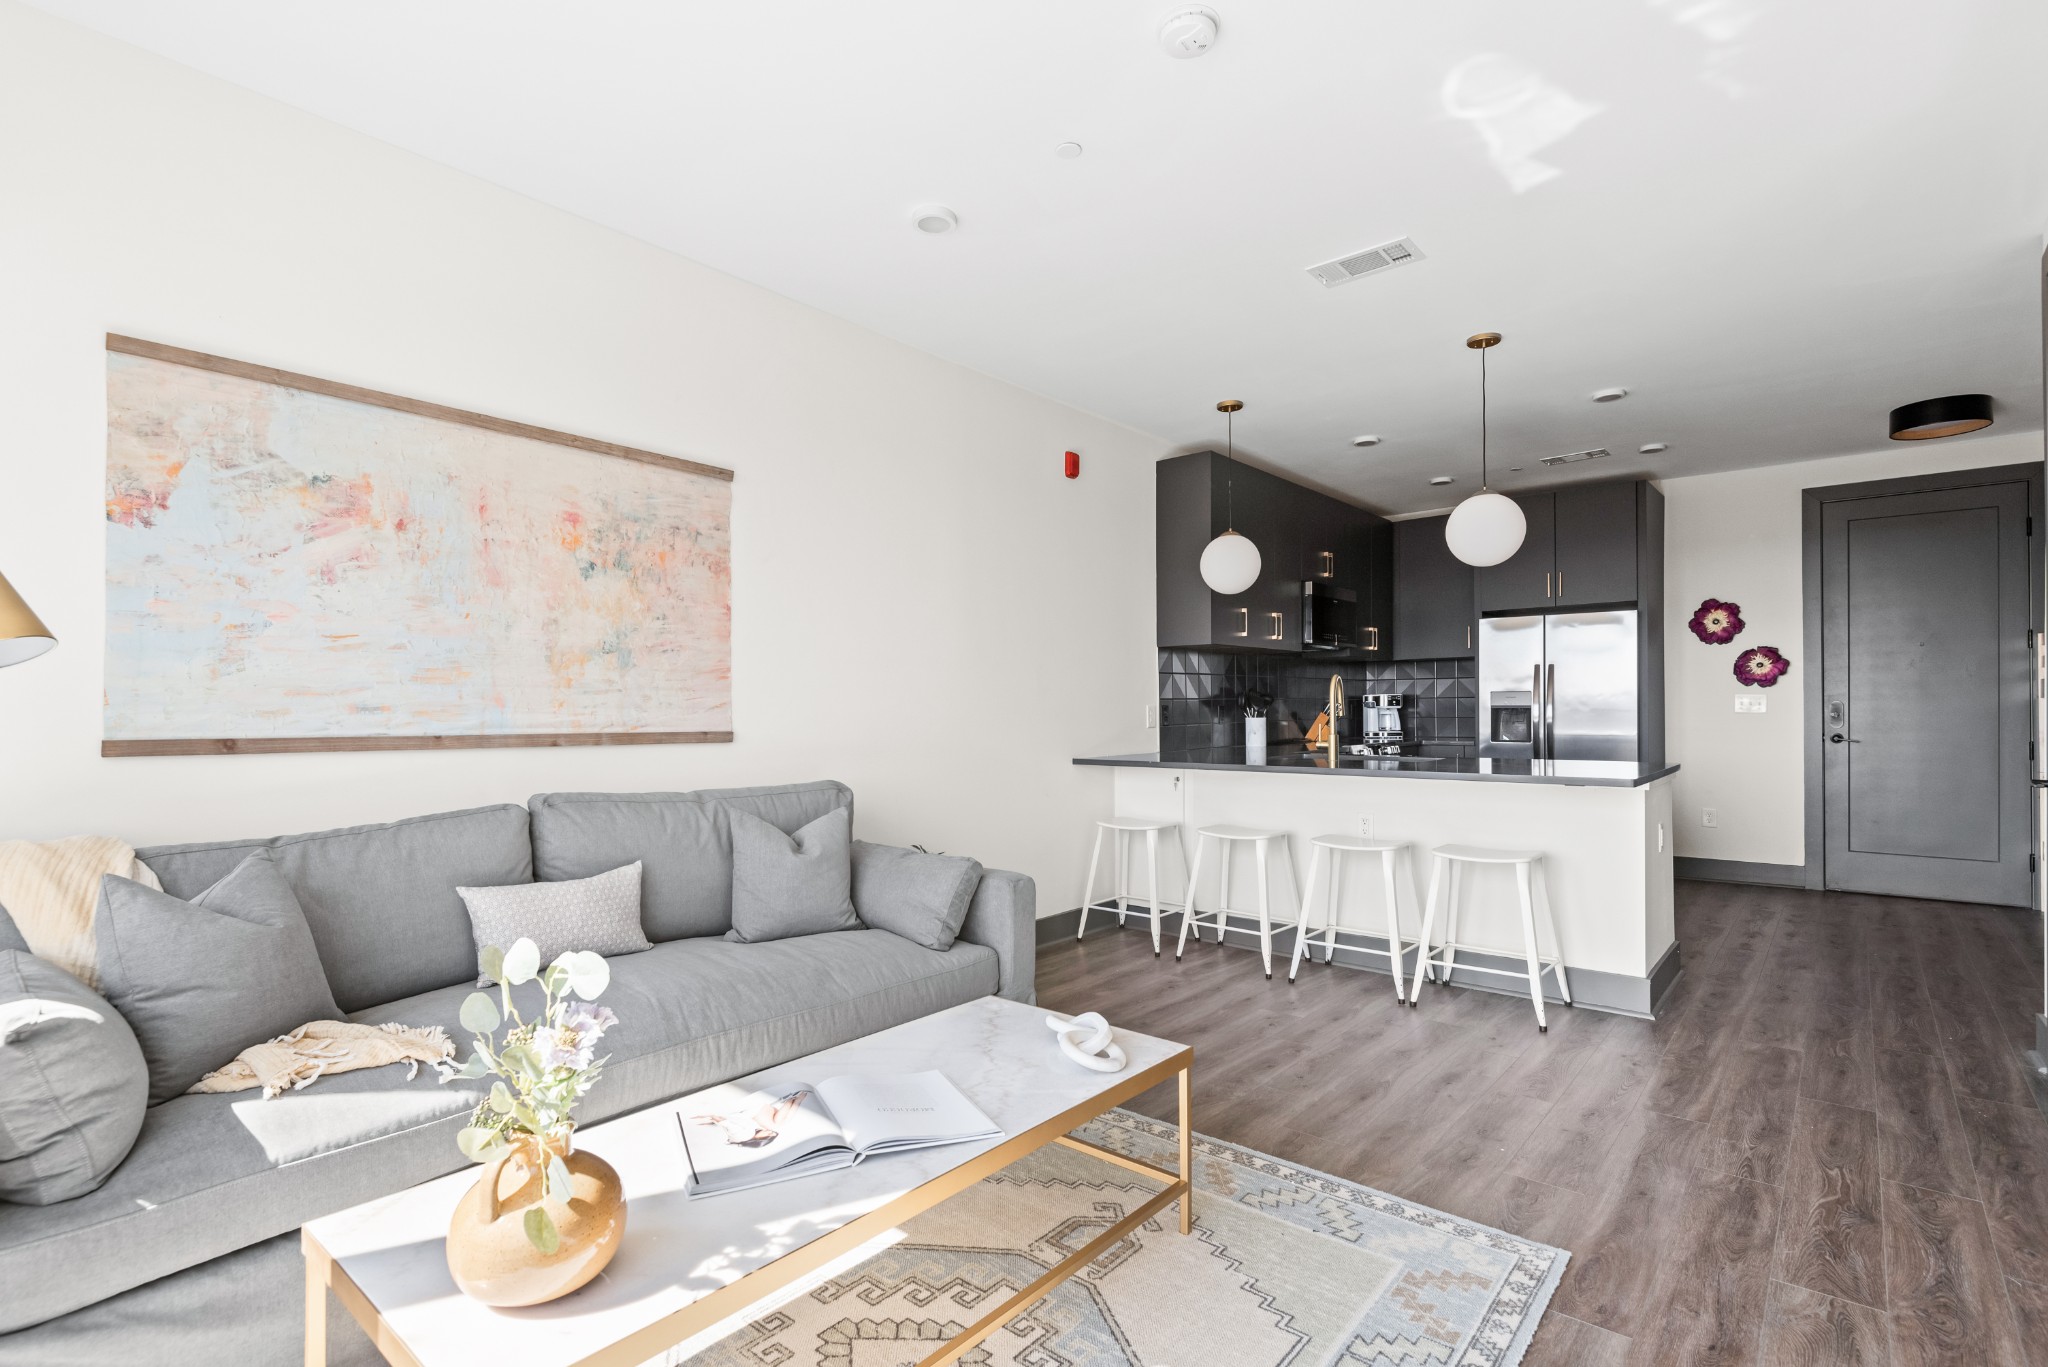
pixel 201 981
pixel 600 914
pixel 73 1086
pixel 784 885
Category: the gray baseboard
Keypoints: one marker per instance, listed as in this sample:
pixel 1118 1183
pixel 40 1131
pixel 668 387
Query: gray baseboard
pixel 1061 925
pixel 1740 871
pixel 1617 993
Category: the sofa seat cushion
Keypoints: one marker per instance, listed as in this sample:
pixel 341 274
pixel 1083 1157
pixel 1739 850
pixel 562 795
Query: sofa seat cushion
pixel 212 1173
pixel 380 900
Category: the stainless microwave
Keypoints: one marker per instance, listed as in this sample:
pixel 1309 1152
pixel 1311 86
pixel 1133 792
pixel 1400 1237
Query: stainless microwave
pixel 1329 617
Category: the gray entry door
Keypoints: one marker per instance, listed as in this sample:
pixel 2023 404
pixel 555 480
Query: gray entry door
pixel 1925 693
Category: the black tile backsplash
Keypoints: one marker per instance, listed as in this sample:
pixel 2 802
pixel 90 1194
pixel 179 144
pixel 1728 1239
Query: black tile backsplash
pixel 1199 692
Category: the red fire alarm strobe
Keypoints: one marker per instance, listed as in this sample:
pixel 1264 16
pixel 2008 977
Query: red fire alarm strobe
pixel 1073 465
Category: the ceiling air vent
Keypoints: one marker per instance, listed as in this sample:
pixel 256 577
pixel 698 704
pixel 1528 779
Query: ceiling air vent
pixel 1574 457
pixel 1372 260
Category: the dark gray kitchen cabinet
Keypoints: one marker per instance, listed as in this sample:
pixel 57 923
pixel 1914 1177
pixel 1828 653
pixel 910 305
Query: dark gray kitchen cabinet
pixel 1596 545
pixel 1301 535
pixel 1432 594
pixel 1526 580
pixel 1584 548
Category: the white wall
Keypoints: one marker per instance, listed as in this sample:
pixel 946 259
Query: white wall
pixel 1736 537
pixel 922 605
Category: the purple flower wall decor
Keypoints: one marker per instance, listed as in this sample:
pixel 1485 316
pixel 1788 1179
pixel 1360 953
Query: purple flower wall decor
pixel 1717 623
pixel 1760 667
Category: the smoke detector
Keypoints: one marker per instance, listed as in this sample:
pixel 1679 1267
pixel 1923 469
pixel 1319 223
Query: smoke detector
pixel 1574 457
pixel 1383 257
pixel 1188 32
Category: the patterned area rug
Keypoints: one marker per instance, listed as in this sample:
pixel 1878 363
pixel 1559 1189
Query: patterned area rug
pixel 1285 1266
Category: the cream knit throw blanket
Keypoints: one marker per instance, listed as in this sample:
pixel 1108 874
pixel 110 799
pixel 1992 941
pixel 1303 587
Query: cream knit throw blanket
pixel 312 1051
pixel 51 889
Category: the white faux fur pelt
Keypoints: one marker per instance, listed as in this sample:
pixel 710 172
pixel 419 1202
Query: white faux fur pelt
pixel 1087 1040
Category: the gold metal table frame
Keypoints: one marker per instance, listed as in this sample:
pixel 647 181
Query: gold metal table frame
pixel 323 1274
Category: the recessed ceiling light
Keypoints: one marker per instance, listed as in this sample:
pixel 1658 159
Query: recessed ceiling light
pixel 934 218
pixel 1609 395
pixel 1514 469
pixel 1188 32
pixel 1441 479
pixel 1067 151
pixel 1651 448
pixel 1365 441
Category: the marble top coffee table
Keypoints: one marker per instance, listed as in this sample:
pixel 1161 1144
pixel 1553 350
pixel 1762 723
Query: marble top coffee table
pixel 690 1272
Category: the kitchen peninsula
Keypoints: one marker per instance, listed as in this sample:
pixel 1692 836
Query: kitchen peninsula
pixel 1517 706
pixel 1604 827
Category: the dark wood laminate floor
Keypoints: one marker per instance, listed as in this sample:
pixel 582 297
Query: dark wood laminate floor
pixel 1823 1152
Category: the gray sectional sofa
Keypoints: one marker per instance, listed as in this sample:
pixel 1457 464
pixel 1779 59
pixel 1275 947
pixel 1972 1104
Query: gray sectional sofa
pixel 189 1252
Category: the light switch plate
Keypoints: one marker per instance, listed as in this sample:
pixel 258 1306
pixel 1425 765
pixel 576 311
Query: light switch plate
pixel 1753 702
pixel 1152 716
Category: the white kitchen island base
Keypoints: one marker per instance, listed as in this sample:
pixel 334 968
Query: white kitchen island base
pixel 1607 849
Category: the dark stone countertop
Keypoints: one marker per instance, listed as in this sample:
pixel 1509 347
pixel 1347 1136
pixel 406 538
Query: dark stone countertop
pixel 1581 773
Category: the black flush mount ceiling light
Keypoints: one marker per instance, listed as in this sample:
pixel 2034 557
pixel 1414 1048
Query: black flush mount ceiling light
pixel 1944 417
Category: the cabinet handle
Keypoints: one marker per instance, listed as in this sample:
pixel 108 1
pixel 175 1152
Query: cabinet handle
pixel 1546 585
pixel 1276 626
pixel 1372 638
pixel 1244 621
pixel 1329 564
pixel 1468 635
pixel 1560 583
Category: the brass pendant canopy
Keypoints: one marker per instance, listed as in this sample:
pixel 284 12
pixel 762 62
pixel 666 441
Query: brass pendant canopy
pixel 22 634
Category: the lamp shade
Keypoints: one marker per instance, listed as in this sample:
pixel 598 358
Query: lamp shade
pixel 22 634
pixel 1485 529
pixel 1230 563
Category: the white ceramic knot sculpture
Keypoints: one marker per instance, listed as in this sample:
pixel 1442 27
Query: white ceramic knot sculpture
pixel 1086 1040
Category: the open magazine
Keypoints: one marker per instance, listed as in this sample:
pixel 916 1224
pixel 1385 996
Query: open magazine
pixel 736 1137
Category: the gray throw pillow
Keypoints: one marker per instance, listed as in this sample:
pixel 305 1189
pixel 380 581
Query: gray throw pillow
pixel 73 1086
pixel 789 885
pixel 200 981
pixel 922 897
pixel 600 914
pixel 10 934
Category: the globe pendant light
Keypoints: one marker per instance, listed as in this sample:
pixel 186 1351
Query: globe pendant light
pixel 1486 528
pixel 1230 563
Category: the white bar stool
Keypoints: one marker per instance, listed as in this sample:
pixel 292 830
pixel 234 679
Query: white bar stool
pixel 1535 905
pixel 1390 852
pixel 1119 900
pixel 1225 837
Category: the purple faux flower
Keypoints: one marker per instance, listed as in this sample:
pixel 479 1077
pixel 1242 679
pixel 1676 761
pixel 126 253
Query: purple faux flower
pixel 1760 667
pixel 572 1043
pixel 1717 623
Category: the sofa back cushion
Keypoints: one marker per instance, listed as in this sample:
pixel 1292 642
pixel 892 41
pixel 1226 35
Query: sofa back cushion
pixel 682 840
pixel 380 900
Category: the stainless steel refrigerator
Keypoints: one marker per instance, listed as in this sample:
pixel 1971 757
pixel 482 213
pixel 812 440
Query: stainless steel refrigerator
pixel 1560 685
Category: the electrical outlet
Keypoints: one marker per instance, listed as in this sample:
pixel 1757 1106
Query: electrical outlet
pixel 1365 828
pixel 1754 702
pixel 1709 817
pixel 1151 716
pixel 1660 842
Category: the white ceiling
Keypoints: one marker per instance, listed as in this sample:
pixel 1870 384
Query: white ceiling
pixel 1772 220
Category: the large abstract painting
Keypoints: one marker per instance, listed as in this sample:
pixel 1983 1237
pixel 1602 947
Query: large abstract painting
pixel 294 564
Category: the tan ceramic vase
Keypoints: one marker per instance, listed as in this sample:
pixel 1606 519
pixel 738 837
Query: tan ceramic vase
pixel 488 1252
